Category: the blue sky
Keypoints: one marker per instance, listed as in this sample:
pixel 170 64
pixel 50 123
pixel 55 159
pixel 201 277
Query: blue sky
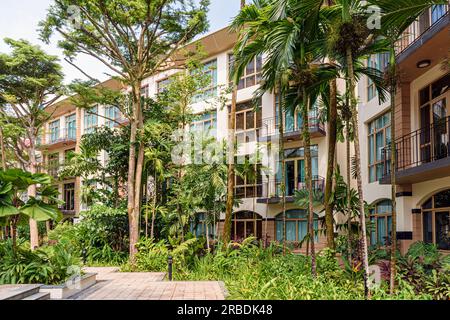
pixel 19 19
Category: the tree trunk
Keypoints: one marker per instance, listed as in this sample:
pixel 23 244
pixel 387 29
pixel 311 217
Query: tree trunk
pixel 393 88
pixel 2 148
pixel 152 234
pixel 133 215
pixel 332 132
pixel 354 120
pixel 226 234
pixel 207 235
pixel 349 196
pixel 34 232
pixel 308 178
pixel 283 163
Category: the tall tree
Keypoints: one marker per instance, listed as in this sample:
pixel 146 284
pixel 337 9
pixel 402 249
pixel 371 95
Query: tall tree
pixel 30 80
pixel 135 40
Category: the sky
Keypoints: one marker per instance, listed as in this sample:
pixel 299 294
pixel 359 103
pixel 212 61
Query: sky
pixel 19 20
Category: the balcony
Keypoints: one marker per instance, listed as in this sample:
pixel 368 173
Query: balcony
pixel 292 129
pixel 59 138
pixel 271 193
pixel 421 155
pixel 431 21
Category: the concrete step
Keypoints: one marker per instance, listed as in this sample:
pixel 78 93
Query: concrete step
pixel 18 292
pixel 38 296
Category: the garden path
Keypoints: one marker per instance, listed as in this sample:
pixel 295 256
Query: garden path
pixel 114 285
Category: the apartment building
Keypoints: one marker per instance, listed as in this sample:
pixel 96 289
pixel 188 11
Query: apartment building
pixel 422 142
pixel 62 135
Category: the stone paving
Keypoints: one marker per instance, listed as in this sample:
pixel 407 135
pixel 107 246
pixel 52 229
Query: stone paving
pixel 113 285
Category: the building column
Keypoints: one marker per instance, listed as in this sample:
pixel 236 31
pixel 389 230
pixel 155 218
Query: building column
pixel 404 217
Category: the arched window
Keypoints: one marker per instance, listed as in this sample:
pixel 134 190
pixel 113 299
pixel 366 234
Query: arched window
pixel 436 220
pixel 296 225
pixel 381 220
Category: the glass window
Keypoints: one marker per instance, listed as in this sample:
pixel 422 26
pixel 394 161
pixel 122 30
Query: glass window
pixel 252 72
pixel 205 121
pixel 90 119
pixel 69 196
pixel 296 225
pixel 54 130
pixel 436 220
pixel 71 127
pixel 198 226
pixel 111 113
pixel 437 11
pixel 293 118
pixel 379 138
pixel 161 85
pixel 381 223
pixel 210 70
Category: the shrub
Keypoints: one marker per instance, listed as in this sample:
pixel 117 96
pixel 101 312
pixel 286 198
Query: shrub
pixel 47 265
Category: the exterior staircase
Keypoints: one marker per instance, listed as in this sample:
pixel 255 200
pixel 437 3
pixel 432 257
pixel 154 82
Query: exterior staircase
pixel 23 292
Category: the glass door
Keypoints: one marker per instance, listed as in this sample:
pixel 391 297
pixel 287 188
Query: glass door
pixel 440 130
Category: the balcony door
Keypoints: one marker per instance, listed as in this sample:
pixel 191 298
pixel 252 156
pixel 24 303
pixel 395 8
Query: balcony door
pixel 434 123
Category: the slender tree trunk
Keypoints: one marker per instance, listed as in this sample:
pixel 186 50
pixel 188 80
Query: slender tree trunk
pixel 34 233
pixel 354 120
pixel 332 133
pixel 133 214
pixel 308 178
pixel 283 163
pixel 226 234
pixel 2 148
pixel 207 235
pixel 153 210
pixel 393 87
pixel 349 196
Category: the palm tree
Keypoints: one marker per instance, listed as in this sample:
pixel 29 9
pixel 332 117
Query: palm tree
pixel 395 19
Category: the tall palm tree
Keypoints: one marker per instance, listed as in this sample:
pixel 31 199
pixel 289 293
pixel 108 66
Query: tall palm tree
pixel 396 17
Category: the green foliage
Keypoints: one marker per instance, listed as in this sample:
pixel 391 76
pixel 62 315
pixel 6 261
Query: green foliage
pixel 48 265
pixel 101 235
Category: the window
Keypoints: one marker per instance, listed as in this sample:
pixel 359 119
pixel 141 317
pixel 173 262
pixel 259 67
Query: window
pixel 381 221
pixel 199 228
pixel 248 121
pixel 144 91
pixel 437 12
pixel 90 119
pixel 436 220
pixel 292 119
pixel 69 197
pixel 379 138
pixel 295 170
pixel 209 69
pixel 434 133
pixel 71 127
pixel 378 61
pixel 205 122
pixel 53 164
pixel 111 113
pixel 246 224
pixel 296 225
pixel 252 72
pixel 161 85
pixel 54 131
pixel 250 185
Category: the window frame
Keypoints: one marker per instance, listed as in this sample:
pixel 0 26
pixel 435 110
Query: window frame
pixel 373 134
pixel 256 75
pixel 88 119
pixel 433 210
pixel 375 215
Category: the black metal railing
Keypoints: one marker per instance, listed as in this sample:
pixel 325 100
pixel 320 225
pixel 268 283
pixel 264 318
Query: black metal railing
pixel 272 187
pixel 270 126
pixel 428 20
pixel 425 145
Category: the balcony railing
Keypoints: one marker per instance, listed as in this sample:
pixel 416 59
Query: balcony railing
pixel 427 21
pixel 426 145
pixel 57 136
pixel 271 126
pixel 272 188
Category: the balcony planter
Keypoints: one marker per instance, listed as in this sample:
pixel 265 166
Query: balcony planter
pixel 70 287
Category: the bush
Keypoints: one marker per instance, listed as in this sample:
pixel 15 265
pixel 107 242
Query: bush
pixel 100 237
pixel 47 265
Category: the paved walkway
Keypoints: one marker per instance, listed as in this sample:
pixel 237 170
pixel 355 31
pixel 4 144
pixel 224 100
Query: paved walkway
pixel 113 285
